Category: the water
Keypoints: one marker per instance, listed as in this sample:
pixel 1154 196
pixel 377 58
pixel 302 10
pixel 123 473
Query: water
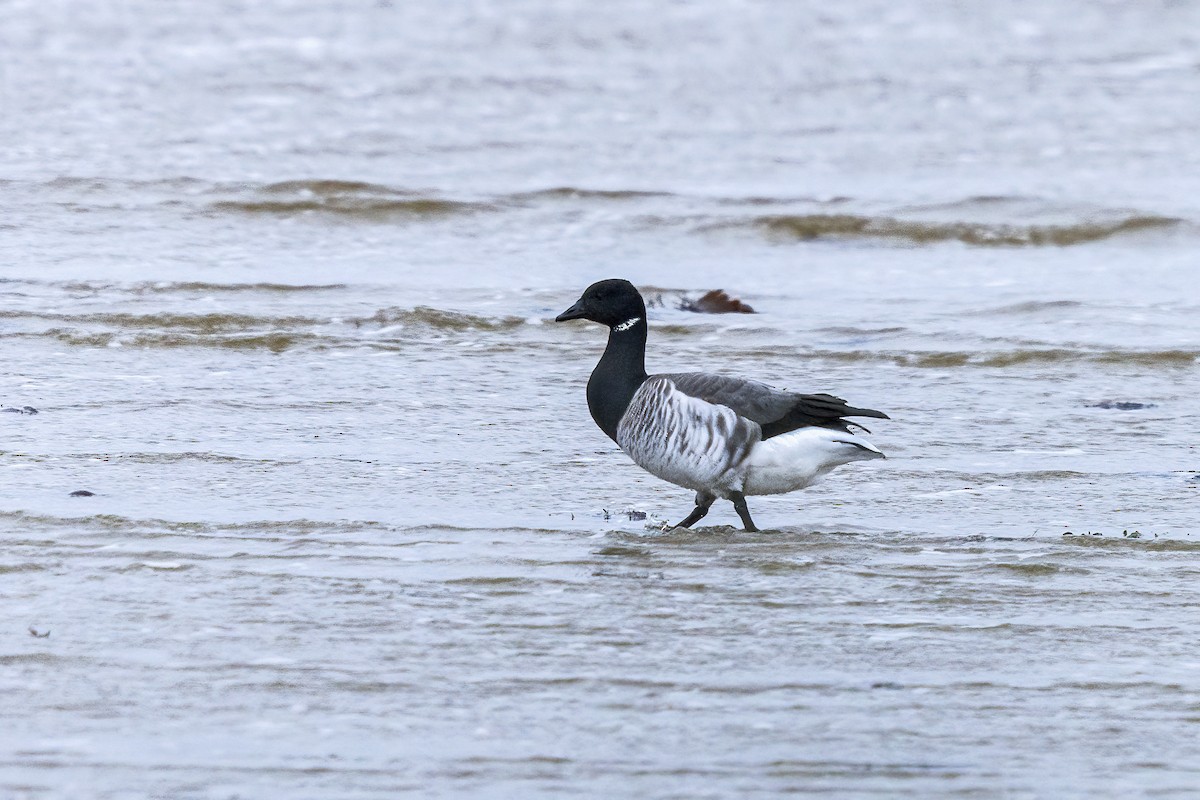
pixel 279 280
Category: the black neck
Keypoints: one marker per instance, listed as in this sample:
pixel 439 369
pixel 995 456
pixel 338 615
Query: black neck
pixel 621 371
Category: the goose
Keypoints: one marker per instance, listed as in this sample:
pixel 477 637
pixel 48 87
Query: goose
pixel 719 436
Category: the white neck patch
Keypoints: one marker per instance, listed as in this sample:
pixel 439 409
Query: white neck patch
pixel 627 324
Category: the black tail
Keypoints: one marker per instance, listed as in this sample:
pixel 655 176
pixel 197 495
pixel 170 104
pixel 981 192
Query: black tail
pixel 823 411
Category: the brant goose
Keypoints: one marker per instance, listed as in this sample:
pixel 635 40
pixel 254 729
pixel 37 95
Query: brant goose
pixel 722 437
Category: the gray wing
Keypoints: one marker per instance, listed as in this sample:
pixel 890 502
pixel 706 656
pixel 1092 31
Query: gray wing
pixel 751 399
pixel 776 410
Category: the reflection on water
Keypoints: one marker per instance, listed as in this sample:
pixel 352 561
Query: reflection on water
pixel 279 283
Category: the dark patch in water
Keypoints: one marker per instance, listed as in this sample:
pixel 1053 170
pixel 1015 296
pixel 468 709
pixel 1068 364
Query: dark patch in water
pixel 1121 405
pixel 715 301
pixel 19 410
pixel 82 493
pixel 40 659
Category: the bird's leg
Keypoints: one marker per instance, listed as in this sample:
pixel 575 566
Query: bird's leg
pixel 703 503
pixel 739 505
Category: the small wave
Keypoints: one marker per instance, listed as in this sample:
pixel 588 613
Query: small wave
pixel 34 527
pixel 978 200
pixel 1016 358
pixel 99 184
pixel 385 329
pixel 274 342
pixel 322 187
pixel 573 193
pixel 1030 307
pixel 440 319
pixel 196 323
pixel 8 569
pixel 116 522
pixel 1036 569
pixel 139 288
pixel 228 322
pixel 850 330
pixel 349 199
pixel 982 221
pixel 175 458
pixel 1164 543
pixel 807 227
pixel 1176 358
pixel 192 287
pixel 1000 359
pixel 40 659
pixel 367 209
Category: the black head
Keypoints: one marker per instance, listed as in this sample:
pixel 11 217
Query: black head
pixel 611 302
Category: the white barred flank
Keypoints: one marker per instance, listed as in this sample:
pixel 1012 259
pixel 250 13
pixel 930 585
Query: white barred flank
pixel 685 440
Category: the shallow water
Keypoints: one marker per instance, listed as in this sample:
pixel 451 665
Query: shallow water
pixel 279 282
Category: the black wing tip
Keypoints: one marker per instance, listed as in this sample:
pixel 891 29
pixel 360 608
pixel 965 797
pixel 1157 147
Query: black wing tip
pixel 859 412
pixel 849 411
pixel 836 406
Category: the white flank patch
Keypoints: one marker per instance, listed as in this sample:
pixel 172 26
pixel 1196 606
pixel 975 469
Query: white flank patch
pixel 798 459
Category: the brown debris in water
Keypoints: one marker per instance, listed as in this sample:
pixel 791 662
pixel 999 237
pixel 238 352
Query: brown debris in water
pixel 716 301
